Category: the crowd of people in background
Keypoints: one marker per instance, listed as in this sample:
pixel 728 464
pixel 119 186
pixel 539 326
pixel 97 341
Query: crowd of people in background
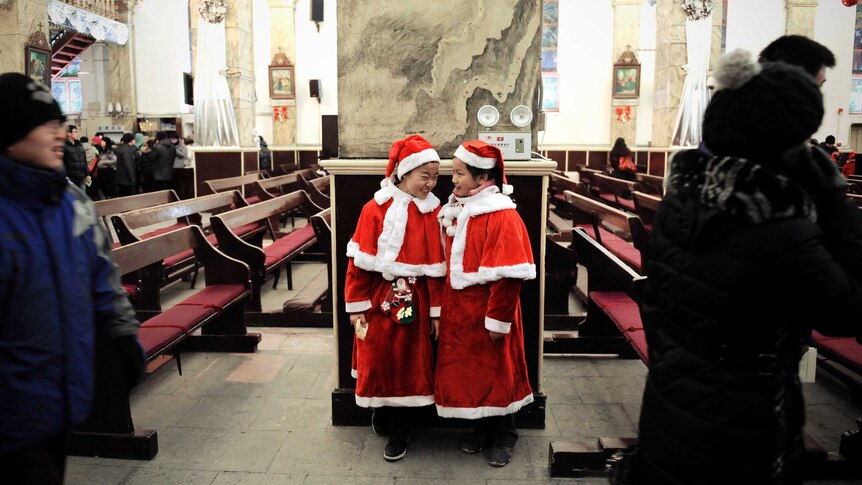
pixel 139 163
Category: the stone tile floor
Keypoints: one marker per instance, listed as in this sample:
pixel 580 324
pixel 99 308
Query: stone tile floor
pixel 264 418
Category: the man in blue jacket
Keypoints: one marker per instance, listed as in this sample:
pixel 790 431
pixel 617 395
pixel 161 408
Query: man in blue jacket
pixel 58 289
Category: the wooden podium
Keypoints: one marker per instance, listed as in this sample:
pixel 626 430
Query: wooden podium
pixel 353 184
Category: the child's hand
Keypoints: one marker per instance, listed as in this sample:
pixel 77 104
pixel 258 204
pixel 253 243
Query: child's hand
pixel 435 328
pixel 496 335
pixel 360 324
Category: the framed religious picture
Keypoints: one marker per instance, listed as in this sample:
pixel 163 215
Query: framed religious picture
pixel 627 81
pixel 37 57
pixel 627 76
pixel 281 82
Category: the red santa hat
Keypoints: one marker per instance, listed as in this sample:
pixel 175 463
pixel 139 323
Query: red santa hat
pixel 479 154
pixel 409 153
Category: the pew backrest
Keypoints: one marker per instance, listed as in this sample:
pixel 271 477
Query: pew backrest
pixel 651 184
pixel 646 206
pixel 317 189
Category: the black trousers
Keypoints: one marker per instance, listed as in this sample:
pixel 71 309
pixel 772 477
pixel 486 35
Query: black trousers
pixel 499 429
pixel 42 463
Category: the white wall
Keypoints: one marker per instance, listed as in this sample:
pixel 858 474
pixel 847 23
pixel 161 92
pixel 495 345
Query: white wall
pixel 646 56
pixel 752 25
pixel 316 58
pixel 834 28
pixel 585 64
pixel 262 57
pixel 161 30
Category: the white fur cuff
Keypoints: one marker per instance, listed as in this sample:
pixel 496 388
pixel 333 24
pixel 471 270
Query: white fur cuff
pixel 435 312
pixel 357 306
pixel 496 325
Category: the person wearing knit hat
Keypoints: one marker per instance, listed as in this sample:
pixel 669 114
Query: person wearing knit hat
pixel 761 221
pixel 481 372
pixel 59 286
pixel 392 292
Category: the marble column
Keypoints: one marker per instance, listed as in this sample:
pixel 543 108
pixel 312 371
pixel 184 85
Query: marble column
pixel 627 17
pixel 282 39
pixel 800 17
pixel 17 23
pixel 427 67
pixel 671 55
pixel 717 16
pixel 239 44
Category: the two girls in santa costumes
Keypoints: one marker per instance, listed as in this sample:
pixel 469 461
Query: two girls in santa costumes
pixel 392 290
pixel 481 372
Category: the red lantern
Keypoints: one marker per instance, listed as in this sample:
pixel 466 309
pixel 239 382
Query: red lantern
pixel 849 3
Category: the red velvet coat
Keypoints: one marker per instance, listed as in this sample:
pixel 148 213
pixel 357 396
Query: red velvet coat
pixel 397 236
pixel 489 255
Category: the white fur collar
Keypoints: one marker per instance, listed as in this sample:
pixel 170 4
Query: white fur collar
pixel 390 191
pixel 462 209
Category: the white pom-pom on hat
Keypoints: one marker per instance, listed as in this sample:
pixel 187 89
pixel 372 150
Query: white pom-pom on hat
pixel 735 69
pixel 450 231
pixel 507 189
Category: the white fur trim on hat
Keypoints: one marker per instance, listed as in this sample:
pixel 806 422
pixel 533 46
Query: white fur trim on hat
pixel 483 411
pixel 474 160
pixel 395 401
pixel 487 201
pixel 416 160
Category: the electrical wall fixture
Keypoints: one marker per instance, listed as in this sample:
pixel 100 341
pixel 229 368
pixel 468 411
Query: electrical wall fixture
pixel 521 116
pixel 488 116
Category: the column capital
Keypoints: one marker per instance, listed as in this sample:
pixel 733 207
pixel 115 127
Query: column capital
pixel 291 4
pixel 801 3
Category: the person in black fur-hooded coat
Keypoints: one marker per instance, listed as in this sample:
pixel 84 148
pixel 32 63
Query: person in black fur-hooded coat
pixel 752 244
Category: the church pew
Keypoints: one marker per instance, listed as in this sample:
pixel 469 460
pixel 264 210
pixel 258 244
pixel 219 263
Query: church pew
pixel 316 188
pixel 646 207
pixel 216 311
pixel 108 207
pixel 561 277
pixel 302 309
pixel 243 183
pixel 270 259
pixel 621 233
pixel 651 184
pixel 178 265
pixel 613 191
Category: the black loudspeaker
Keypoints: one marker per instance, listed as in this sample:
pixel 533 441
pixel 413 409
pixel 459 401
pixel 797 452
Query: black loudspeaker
pixel 314 88
pixel 329 136
pixel 317 10
pixel 188 89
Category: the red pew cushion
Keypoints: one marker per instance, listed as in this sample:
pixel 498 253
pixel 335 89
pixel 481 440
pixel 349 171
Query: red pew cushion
pixel 286 245
pixel 155 339
pixel 846 350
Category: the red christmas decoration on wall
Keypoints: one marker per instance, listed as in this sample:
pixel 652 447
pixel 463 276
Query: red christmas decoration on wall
pixel 624 113
pixel 279 113
pixel 849 3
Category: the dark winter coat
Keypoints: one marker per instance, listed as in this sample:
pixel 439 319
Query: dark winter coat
pixel 743 258
pixel 126 165
pixel 163 161
pixel 75 161
pixel 58 285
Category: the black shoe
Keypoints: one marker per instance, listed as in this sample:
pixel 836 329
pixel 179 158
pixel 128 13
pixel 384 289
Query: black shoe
pixel 380 422
pixel 396 449
pixel 474 443
pixel 500 456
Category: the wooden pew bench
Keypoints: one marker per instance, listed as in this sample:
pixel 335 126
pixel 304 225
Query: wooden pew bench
pixel 175 266
pixel 560 214
pixel 312 306
pixel 317 189
pixel 646 207
pixel 613 191
pixel 842 357
pixel 270 259
pixel 216 311
pixel 622 233
pixel 108 207
pixel 243 183
pixel 650 184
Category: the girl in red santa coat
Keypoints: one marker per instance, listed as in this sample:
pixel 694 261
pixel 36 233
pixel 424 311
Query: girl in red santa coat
pixel 481 369
pixel 392 290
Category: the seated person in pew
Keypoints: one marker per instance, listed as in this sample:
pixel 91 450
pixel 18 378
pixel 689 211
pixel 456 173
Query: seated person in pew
pixel 392 291
pixel 58 289
pixel 751 244
pixel 481 372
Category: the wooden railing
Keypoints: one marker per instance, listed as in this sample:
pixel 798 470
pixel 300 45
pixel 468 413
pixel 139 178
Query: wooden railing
pixel 105 8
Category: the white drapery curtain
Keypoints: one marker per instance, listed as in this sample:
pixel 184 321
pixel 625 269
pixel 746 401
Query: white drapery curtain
pixel 215 121
pixel 695 95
